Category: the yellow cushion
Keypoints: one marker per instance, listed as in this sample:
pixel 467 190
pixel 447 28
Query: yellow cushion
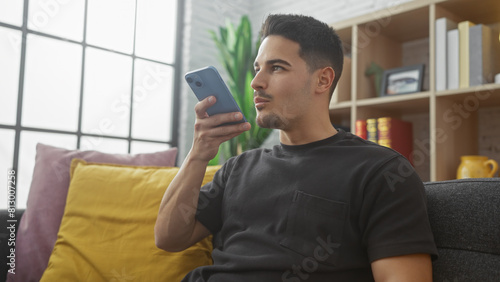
pixel 107 231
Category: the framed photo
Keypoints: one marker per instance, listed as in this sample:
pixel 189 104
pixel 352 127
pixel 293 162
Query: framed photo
pixel 402 80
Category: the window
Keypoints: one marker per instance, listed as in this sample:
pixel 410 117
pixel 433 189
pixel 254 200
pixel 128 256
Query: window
pixel 86 74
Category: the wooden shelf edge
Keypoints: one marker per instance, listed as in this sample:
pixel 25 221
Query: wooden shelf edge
pixel 474 89
pixel 393 99
pixel 380 14
pixel 341 105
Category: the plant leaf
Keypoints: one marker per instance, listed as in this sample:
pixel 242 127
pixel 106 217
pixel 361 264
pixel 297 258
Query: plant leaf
pixel 237 54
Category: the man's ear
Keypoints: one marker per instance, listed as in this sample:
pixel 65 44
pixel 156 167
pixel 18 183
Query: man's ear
pixel 326 76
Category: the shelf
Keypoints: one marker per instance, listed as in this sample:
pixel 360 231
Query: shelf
pixel 406 40
pixel 487 95
pixel 396 106
pixel 384 13
pixel 484 91
pixel 481 88
pixel 397 28
pixel 484 11
pixel 341 105
pixel 413 99
pixel 447 124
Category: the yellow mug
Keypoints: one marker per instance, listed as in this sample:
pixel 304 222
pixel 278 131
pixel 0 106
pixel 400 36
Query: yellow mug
pixel 476 167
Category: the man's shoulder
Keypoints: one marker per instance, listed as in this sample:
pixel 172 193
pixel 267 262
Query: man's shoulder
pixel 366 147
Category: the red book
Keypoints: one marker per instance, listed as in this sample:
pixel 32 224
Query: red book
pixel 396 134
pixel 361 128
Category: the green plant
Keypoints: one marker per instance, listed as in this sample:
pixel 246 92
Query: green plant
pixel 237 54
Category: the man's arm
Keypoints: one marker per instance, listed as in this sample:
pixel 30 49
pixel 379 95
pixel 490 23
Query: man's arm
pixel 407 268
pixel 176 227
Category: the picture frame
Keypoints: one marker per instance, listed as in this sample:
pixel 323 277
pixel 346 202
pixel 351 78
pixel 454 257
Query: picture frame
pixel 402 80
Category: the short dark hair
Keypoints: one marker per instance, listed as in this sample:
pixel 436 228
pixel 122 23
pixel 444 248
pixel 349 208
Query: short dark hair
pixel 320 46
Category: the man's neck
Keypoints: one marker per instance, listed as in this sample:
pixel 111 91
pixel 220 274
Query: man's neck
pixel 305 136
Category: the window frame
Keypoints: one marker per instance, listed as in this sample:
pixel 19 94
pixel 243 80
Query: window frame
pixel 176 66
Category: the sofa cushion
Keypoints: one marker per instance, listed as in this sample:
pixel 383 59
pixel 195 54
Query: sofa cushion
pixel 456 265
pixel 39 224
pixel 465 218
pixel 107 231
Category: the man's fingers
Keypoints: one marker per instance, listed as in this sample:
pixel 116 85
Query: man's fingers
pixel 215 132
pixel 210 126
pixel 202 106
pixel 208 132
pixel 231 130
pixel 201 113
pixel 207 141
pixel 217 120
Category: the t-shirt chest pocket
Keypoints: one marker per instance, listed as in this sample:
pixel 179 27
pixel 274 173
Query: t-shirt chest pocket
pixel 314 227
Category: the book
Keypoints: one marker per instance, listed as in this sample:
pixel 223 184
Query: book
pixel 484 50
pixel 463 30
pixel 396 134
pixel 443 25
pixel 452 59
pixel 361 129
pixel 371 130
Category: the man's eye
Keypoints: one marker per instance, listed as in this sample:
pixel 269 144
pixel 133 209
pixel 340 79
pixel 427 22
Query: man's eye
pixel 276 68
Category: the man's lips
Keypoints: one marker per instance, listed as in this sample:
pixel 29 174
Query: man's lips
pixel 260 102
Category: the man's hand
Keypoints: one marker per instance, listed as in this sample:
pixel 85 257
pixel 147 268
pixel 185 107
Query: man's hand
pixel 177 228
pixel 208 135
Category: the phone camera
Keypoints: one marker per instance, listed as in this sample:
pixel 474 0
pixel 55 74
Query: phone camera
pixel 198 83
pixel 189 80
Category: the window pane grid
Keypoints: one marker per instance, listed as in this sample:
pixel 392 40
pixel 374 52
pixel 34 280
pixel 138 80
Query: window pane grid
pixel 80 134
pixel 4 24
pixel 85 44
pixel 134 144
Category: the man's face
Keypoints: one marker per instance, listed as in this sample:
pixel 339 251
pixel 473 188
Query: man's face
pixel 282 84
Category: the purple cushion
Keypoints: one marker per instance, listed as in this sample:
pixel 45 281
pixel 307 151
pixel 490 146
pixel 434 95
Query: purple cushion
pixel 40 222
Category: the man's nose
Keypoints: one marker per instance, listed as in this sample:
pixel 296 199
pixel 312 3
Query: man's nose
pixel 259 81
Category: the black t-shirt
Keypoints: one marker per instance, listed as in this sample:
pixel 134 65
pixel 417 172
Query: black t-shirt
pixel 317 212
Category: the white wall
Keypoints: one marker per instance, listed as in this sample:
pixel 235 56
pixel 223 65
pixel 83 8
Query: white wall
pixel 327 11
pixel 202 15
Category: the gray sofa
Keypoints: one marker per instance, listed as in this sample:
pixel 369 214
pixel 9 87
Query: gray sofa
pixel 465 219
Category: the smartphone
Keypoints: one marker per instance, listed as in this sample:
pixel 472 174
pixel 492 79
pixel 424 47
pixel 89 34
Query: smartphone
pixel 207 82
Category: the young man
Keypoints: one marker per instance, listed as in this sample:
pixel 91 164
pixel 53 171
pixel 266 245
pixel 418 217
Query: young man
pixel 324 205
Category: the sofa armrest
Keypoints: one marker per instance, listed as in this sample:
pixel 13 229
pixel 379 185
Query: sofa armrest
pixel 7 233
pixel 463 214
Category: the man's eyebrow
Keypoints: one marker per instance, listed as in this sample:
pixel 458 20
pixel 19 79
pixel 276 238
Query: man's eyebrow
pixel 274 61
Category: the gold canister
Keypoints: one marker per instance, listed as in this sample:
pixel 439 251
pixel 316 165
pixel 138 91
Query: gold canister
pixel 476 167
